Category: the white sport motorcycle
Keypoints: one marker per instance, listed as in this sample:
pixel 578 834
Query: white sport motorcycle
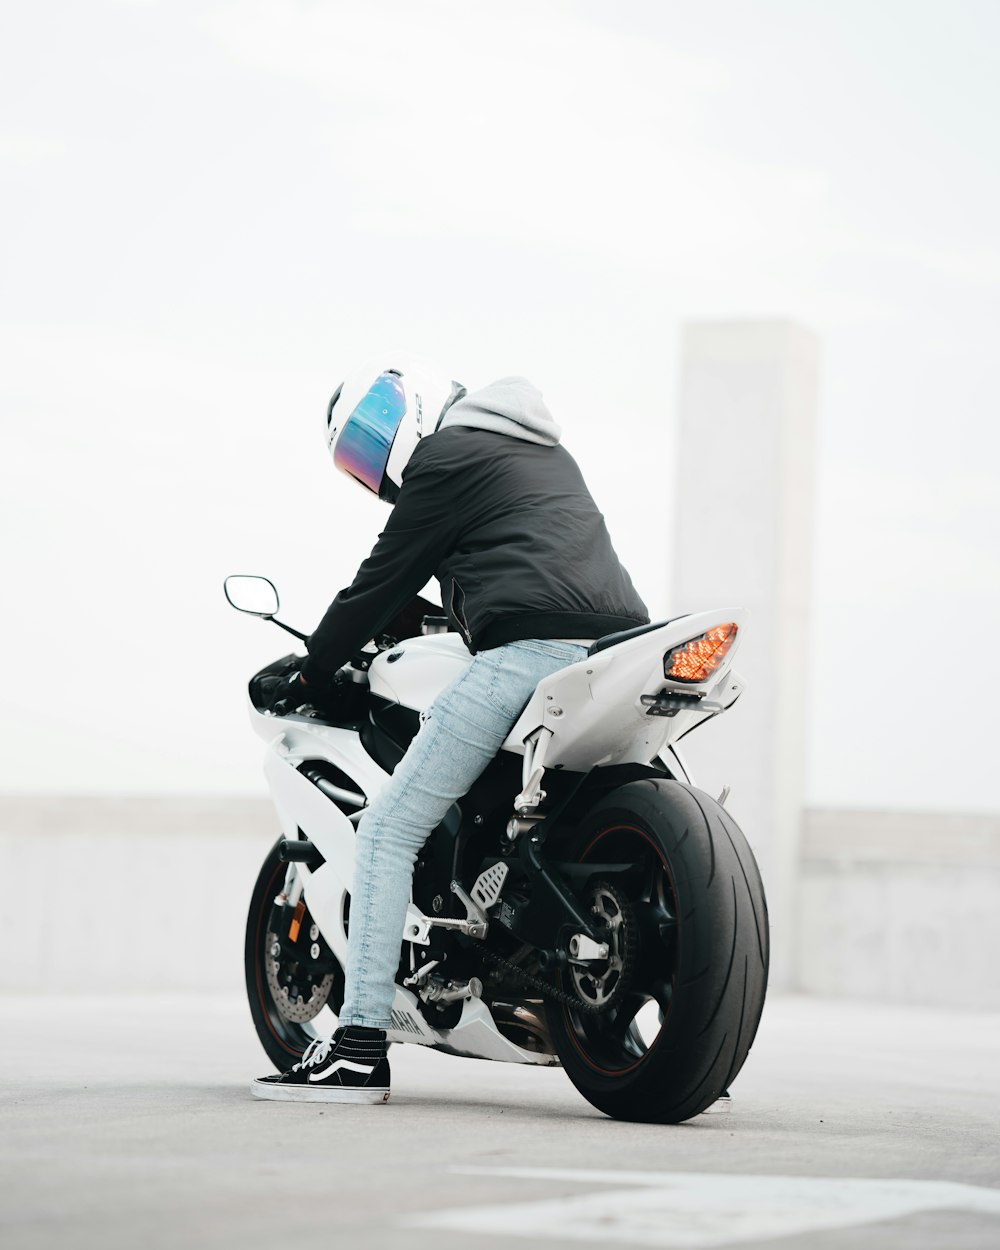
pixel 584 904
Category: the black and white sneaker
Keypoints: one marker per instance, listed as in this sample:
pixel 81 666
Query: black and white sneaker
pixel 351 1066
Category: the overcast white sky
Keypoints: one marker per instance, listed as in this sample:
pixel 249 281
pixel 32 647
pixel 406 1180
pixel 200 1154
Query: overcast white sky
pixel 211 210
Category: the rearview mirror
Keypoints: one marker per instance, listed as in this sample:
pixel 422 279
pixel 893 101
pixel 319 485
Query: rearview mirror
pixel 248 593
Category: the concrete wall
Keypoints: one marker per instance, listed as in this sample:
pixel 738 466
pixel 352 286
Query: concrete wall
pixel 902 907
pixel 113 895
pixel 128 895
pixel 743 538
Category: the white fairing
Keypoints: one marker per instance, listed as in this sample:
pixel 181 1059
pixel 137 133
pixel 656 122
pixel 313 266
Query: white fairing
pixel 595 715
pixel 594 708
pixel 414 673
pixel 301 806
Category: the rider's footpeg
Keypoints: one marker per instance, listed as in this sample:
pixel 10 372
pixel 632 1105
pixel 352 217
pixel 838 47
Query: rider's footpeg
pixel 488 885
pixel 484 894
pixel 477 923
pixel 452 992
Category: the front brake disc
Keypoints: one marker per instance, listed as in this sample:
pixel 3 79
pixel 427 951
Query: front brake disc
pixel 298 988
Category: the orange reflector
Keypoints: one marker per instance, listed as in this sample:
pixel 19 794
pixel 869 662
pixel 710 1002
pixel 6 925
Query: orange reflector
pixel 698 659
pixel 293 928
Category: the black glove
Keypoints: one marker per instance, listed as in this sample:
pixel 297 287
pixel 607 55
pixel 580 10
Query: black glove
pixel 334 698
pixel 282 693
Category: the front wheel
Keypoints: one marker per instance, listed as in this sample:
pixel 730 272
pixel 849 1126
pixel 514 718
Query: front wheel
pixel 667 1020
pixel 295 984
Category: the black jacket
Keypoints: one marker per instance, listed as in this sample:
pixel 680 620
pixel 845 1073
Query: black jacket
pixel 512 534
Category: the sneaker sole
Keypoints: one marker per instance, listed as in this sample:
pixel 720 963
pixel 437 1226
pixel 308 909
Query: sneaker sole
pixel 273 1092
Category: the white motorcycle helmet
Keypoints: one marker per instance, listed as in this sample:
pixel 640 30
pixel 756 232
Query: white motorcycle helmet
pixel 378 415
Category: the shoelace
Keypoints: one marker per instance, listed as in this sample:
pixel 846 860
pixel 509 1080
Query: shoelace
pixel 314 1053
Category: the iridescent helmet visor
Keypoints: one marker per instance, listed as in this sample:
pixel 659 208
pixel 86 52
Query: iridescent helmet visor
pixel 362 450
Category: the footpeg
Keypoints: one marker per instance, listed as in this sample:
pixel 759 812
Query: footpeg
pixel 452 992
pixel 477 922
pixel 424 971
pixel 475 925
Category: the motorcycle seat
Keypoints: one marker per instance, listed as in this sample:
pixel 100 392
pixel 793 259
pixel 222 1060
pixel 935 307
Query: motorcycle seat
pixel 623 635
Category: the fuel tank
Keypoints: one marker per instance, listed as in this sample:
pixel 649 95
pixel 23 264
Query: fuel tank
pixel 414 673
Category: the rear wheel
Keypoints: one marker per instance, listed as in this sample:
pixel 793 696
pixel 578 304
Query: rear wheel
pixel 295 984
pixel 673 1014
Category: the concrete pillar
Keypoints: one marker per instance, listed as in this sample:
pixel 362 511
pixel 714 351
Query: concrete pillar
pixel 744 513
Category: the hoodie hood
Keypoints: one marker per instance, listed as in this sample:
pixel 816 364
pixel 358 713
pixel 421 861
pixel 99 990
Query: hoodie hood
pixel 510 406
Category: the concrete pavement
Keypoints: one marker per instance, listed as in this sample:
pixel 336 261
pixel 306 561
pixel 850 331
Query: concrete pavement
pixel 127 1122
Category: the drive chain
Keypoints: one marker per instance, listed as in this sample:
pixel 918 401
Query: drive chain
pixel 537 983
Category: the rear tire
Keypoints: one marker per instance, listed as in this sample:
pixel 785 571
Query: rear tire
pixel 678 1036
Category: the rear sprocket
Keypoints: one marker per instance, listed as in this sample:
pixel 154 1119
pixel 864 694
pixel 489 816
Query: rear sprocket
pixel 601 984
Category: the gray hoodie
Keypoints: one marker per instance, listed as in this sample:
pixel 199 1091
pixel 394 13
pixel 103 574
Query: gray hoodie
pixel 511 406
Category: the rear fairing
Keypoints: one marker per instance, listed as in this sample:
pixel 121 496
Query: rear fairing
pixel 594 709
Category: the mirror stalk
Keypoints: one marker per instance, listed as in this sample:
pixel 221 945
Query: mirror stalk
pixel 287 628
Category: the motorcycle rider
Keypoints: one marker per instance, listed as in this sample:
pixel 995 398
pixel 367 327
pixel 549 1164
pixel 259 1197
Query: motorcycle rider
pixel 487 500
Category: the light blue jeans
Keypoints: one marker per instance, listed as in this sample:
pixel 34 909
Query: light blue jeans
pixel 460 734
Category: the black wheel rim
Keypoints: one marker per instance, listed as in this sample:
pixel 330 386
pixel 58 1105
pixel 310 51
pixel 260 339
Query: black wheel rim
pixel 615 1042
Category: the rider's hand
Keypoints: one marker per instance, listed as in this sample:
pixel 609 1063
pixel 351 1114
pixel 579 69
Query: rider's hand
pixel 283 693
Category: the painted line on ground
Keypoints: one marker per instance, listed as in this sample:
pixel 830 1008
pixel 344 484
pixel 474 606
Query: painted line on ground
pixel 698 1210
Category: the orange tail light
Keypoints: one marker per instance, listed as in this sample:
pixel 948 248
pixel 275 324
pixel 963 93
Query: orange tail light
pixel 698 659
